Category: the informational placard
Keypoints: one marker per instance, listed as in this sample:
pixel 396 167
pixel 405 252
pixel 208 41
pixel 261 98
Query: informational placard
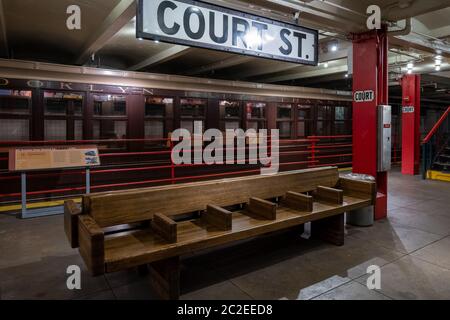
pixel 28 159
pixel 204 25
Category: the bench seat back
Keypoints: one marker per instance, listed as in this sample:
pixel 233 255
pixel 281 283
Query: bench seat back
pixel 124 207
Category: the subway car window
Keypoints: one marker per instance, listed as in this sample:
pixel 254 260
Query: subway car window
pixel 15 102
pixel 157 106
pixel 55 130
pixel 256 115
pixel 342 123
pixel 63 112
pixel 284 120
pixel 230 115
pixel 192 110
pixel 157 109
pixel 109 105
pixel 110 117
pixel 323 125
pixel 304 121
pixel 78 130
pixel 14 129
pixel 109 129
pixel 15 111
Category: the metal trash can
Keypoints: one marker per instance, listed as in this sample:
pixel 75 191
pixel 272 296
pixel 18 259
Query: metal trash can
pixel 363 217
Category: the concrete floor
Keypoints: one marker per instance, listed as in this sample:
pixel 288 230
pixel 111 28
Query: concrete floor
pixel 412 248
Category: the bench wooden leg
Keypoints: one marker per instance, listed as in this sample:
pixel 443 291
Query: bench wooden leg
pixel 165 278
pixel 329 229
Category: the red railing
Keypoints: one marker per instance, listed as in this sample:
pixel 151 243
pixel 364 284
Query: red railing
pixel 436 126
pixel 314 151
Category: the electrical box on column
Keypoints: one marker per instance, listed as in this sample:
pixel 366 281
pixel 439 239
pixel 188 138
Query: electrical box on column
pixel 384 138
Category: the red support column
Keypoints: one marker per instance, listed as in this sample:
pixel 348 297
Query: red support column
pixel 370 76
pixel 411 125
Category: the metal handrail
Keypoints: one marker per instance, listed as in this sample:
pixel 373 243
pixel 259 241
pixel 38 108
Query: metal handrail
pixel 436 126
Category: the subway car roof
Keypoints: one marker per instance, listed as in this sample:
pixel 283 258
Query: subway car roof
pixel 20 69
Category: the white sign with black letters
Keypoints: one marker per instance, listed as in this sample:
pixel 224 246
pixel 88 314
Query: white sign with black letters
pixel 364 96
pixel 199 24
pixel 408 109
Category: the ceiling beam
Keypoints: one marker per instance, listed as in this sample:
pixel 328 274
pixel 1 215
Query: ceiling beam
pixel 161 57
pixel 229 62
pixel 325 17
pixel 116 20
pixel 280 67
pixel 306 74
pixel 4 46
pixel 408 43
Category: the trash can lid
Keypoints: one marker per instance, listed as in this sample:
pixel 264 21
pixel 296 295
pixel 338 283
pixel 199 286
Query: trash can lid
pixel 358 176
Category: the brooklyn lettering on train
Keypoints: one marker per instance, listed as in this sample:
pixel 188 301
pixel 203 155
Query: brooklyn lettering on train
pixel 199 24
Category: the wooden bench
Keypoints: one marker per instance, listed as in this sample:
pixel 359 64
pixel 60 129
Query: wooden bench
pixel 135 228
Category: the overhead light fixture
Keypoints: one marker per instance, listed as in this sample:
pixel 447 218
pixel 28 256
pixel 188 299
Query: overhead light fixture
pixel 438 63
pixel 334 48
pixel 410 67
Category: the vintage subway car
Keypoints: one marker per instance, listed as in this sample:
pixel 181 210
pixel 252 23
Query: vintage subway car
pixel 129 115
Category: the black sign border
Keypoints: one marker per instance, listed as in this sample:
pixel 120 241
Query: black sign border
pixel 140 34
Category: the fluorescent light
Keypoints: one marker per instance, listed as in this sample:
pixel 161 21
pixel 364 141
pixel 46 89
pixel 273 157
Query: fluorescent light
pixel 334 48
pixel 410 65
pixel 438 62
pixel 437 68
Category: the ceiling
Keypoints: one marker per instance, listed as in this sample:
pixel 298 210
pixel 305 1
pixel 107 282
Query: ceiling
pixel 36 30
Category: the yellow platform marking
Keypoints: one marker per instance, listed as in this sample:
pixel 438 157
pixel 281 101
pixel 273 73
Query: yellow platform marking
pixel 437 175
pixel 36 205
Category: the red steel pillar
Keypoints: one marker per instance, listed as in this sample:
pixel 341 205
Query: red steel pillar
pixel 370 88
pixel 411 124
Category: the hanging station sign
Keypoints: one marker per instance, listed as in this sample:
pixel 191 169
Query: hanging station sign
pixel 199 24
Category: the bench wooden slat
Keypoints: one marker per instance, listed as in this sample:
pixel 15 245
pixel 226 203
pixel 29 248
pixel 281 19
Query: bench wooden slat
pixel 262 208
pixel 120 208
pixel 298 201
pixel 218 217
pixel 165 227
pixel 356 188
pixel 329 195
